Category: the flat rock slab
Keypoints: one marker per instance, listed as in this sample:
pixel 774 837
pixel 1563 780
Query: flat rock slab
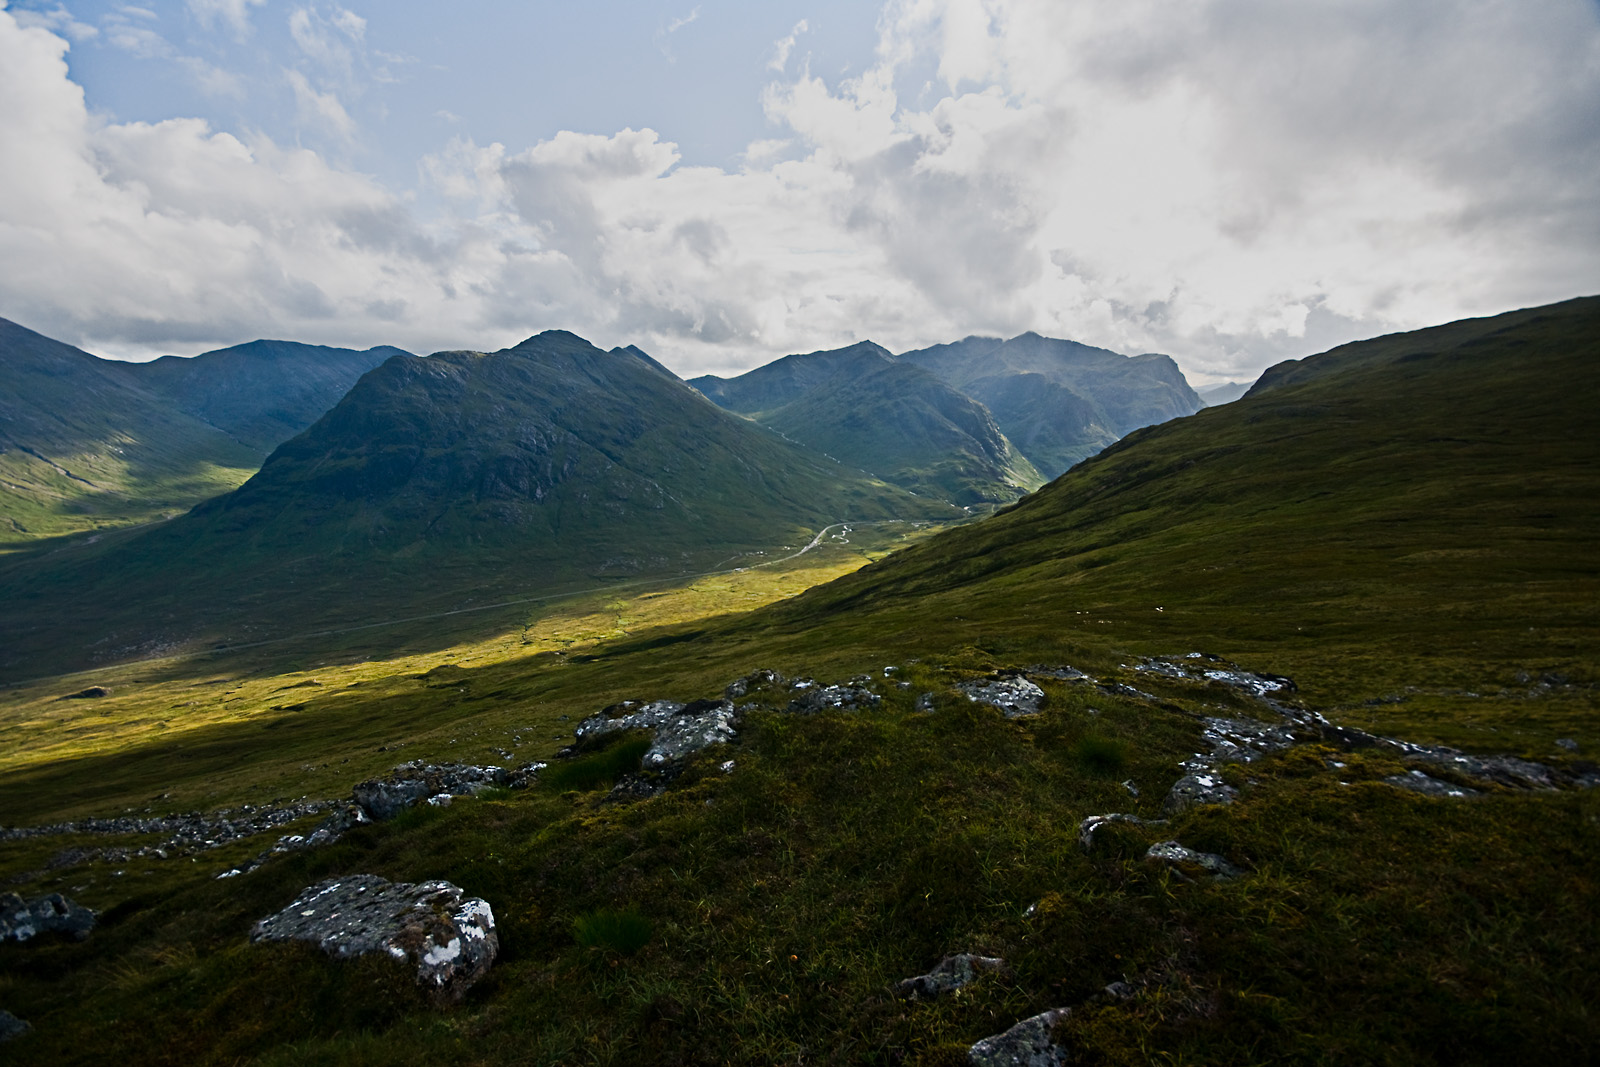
pixel 1027 1044
pixel 950 974
pixel 21 919
pixel 1015 696
pixel 449 937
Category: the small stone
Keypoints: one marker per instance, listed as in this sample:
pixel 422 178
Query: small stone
pixel 450 938
pixel 1567 743
pixel 1027 1044
pixel 950 974
pixel 1197 789
pixel 925 703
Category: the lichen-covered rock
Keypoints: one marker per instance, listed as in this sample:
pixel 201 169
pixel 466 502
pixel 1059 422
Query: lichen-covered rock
pixel 1196 788
pixel 680 729
pixel 1427 785
pixel 740 687
pixel 11 1027
pixel 1027 1044
pixel 948 975
pixel 1187 860
pixel 849 697
pixel 1244 740
pixel 1013 695
pixel 410 783
pixel 449 937
pixel 21 920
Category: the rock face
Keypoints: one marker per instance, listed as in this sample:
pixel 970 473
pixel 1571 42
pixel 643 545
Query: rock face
pixel 950 974
pixel 449 937
pixel 1027 1044
pixel 21 919
pixel 680 729
pixel 1015 696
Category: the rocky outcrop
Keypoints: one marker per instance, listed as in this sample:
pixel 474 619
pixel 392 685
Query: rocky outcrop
pixel 409 783
pixel 1186 862
pixel 679 730
pixel 1027 1044
pixel 449 937
pixel 849 696
pixel 1012 694
pixel 948 975
pixel 22 920
pixel 11 1027
pixel 1427 785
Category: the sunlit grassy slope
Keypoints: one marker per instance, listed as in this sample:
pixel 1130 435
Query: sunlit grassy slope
pixel 1411 521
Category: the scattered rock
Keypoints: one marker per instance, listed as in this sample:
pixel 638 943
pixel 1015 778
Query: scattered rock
pixel 925 703
pixel 21 919
pixel 1027 1044
pixel 741 687
pixel 680 729
pixel 1567 743
pixel 1014 695
pixel 450 938
pixel 1088 827
pixel 11 1027
pixel 1133 790
pixel 950 974
pixel 409 783
pixel 94 692
pixel 1418 782
pixel 1195 789
pixel 1183 860
pixel 848 697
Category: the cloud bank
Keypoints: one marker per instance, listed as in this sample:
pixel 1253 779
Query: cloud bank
pixel 1229 181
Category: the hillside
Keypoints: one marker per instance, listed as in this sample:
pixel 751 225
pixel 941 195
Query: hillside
pixel 261 393
pixel 439 480
pixel 1060 401
pixel 782 381
pixel 1224 833
pixel 910 429
pixel 83 447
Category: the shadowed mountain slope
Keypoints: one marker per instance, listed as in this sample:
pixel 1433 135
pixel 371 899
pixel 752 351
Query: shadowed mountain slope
pixel 261 393
pixel 785 380
pixel 909 428
pixel 84 447
pixel 442 479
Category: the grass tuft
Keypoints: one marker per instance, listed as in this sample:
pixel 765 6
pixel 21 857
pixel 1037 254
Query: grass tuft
pixel 623 932
pixel 601 768
pixel 1101 755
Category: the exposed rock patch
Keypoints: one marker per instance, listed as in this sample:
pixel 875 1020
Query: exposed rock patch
pixel 11 1027
pixel 948 975
pixel 1186 860
pixel 1013 695
pixel 1090 826
pixel 409 783
pixel 94 692
pixel 679 730
pixel 851 696
pixel 1027 1044
pixel 1427 785
pixel 449 937
pixel 22 920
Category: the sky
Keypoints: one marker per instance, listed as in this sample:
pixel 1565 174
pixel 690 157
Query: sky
pixel 1231 182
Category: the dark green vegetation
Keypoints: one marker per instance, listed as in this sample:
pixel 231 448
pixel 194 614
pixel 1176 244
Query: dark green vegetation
pixel 84 447
pixel 261 393
pixel 1411 522
pixel 1060 401
pixel 440 482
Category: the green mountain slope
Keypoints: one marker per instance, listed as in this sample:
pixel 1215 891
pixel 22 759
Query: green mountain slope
pixel 261 393
pixel 1402 504
pixel 438 480
pixel 784 380
pixel 910 429
pixel 1060 401
pixel 83 447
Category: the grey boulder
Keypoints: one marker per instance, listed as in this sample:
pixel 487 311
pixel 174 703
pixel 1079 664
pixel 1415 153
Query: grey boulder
pixel 1027 1044
pixel 950 974
pixel 1178 858
pixel 21 919
pixel 449 937
pixel 1013 695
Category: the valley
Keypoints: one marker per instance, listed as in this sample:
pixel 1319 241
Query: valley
pixel 1297 596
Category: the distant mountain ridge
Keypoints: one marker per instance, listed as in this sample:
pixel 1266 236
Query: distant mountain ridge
pixel 1056 402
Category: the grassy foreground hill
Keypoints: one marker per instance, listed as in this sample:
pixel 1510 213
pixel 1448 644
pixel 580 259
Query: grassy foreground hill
pixel 1407 527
